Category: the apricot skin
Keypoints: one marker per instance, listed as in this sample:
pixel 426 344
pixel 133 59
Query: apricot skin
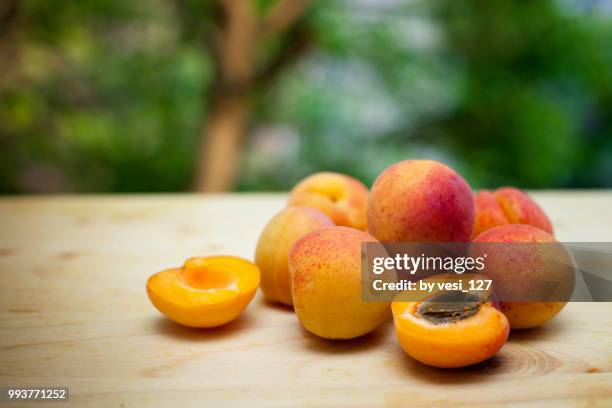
pixel 341 197
pixel 542 262
pixel 420 201
pixel 325 268
pixel 450 345
pixel 507 205
pixel 275 241
pixel 205 292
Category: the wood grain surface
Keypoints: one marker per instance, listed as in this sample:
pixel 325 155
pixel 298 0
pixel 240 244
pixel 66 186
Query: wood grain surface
pixel 73 312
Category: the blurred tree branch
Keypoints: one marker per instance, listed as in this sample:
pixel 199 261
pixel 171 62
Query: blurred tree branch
pixel 282 16
pixel 235 42
pixel 298 42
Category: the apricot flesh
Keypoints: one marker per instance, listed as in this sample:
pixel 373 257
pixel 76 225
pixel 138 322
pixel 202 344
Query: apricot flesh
pixel 325 269
pixel 420 201
pixel 434 336
pixel 275 241
pixel 205 291
pixel 507 205
pixel 341 197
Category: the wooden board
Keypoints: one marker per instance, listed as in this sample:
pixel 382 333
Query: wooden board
pixel 73 312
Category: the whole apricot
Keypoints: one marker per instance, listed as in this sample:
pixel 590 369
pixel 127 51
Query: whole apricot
pixel 325 269
pixel 341 197
pixel 420 201
pixel 533 274
pixel 275 241
pixel 507 205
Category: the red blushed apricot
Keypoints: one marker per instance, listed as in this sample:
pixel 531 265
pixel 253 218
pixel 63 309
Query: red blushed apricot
pixel 449 333
pixel 325 269
pixel 205 292
pixel 275 241
pixel 507 205
pixel 489 213
pixel 341 197
pixel 533 274
pixel 420 201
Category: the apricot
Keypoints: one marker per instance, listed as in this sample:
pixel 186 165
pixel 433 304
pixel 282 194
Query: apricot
pixel 204 292
pixel 450 329
pixel 507 205
pixel 420 201
pixel 275 241
pixel 325 269
pixel 341 197
pixel 533 274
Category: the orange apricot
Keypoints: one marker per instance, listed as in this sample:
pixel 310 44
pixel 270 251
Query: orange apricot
pixel 325 270
pixel 341 197
pixel 206 291
pixel 275 241
pixel 450 329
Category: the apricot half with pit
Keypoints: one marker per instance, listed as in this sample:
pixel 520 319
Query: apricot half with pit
pixel 450 329
pixel 205 291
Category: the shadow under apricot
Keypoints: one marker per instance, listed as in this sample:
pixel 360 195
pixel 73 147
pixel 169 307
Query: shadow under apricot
pixel 547 331
pixel 360 344
pixel 477 373
pixel 169 328
pixel 276 306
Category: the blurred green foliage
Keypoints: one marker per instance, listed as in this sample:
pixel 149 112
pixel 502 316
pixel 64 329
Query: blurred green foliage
pixel 110 95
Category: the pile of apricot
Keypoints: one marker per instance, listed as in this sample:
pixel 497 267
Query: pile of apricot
pixel 309 257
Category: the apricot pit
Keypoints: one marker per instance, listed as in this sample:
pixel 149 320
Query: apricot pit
pixel 447 307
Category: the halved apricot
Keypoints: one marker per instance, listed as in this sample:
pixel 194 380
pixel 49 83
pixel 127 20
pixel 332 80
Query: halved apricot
pixel 205 292
pixel 450 329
